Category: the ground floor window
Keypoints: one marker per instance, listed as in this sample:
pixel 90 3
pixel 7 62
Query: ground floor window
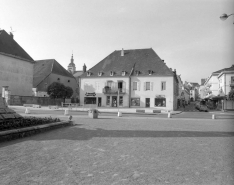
pixel 135 101
pixel 90 100
pixel 160 102
pixel 108 100
pixel 121 101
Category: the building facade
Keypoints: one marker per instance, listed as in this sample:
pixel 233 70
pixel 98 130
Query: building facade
pixel 16 66
pixel 131 78
pixel 48 71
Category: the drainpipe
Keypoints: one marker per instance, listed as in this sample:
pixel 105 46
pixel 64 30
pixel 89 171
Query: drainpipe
pixel 129 102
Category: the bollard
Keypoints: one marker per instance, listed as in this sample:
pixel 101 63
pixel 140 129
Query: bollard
pixel 119 114
pixel 66 113
pixel 213 116
pixel 169 115
pixel 27 111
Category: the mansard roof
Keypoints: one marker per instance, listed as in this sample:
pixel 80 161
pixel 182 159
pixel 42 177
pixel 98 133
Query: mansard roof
pixel 141 60
pixel 10 47
pixel 43 68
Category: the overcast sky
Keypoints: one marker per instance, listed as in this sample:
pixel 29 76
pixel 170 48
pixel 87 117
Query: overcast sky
pixel 187 34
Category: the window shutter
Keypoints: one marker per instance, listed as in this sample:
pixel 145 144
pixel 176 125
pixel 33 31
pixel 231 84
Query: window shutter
pixel 151 86
pixel 124 86
pixel 132 86
pixel 139 86
pixel 145 86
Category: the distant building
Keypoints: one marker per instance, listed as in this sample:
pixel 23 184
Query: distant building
pixel 226 80
pixel 130 78
pixel 48 71
pixel 16 66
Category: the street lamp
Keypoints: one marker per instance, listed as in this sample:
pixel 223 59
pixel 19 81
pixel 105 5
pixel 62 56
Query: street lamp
pixel 224 16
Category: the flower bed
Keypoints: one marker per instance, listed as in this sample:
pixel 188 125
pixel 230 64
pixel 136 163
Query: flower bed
pixel 25 122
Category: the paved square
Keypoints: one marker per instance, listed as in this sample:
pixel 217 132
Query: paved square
pixel 113 150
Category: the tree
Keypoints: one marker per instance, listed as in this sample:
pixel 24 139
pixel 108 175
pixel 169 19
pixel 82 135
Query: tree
pixel 58 90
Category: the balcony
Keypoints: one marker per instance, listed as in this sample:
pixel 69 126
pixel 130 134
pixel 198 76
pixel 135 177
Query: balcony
pixel 113 90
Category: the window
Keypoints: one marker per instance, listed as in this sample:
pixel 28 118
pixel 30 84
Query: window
pixel 232 79
pixel 111 73
pixel 108 100
pixel 88 73
pixel 134 86
pixel 135 101
pixel 150 72
pixel 147 86
pixel 137 72
pixel 99 73
pixel 121 101
pixel 160 102
pixel 163 86
pixel 109 83
pixel 123 73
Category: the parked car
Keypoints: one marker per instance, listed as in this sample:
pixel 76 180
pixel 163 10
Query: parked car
pixel 201 106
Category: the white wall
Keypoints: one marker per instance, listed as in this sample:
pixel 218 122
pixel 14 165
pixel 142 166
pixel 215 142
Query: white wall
pixel 225 81
pixel 17 74
pixel 155 91
pixel 214 81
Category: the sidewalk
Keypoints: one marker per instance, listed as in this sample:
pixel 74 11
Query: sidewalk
pixel 142 110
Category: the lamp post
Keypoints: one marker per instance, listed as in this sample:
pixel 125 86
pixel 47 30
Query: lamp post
pixel 224 16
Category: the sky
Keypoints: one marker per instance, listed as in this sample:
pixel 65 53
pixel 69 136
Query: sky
pixel 187 34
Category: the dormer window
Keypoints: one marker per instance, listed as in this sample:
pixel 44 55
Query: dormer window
pixel 111 73
pixel 123 73
pixel 137 72
pixel 99 73
pixel 88 73
pixel 150 72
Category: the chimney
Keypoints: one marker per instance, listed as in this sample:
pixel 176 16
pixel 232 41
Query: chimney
pixel 11 35
pixel 175 71
pixel 122 52
pixel 84 68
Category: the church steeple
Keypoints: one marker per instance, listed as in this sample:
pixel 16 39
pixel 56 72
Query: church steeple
pixel 71 67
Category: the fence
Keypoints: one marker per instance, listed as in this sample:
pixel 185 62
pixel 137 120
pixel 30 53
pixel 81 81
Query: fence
pixel 44 101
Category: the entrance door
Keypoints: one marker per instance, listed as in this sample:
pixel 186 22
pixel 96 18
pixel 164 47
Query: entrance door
pixel 114 101
pixel 147 102
pixel 99 101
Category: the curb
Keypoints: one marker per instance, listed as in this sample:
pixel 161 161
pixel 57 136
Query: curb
pixel 34 129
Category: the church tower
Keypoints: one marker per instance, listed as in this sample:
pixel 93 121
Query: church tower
pixel 71 67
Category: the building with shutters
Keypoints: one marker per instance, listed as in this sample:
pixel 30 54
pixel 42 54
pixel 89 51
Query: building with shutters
pixel 130 78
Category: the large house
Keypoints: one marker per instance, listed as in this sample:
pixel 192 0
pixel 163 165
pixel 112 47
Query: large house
pixel 226 80
pixel 48 71
pixel 16 66
pixel 130 78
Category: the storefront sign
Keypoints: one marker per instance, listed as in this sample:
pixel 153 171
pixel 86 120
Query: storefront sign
pixel 90 94
pixel 160 96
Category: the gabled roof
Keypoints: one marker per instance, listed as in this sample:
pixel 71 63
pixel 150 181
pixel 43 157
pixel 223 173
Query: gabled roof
pixel 43 68
pixel 225 69
pixel 9 46
pixel 141 60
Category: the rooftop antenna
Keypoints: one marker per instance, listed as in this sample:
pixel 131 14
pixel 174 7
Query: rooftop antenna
pixel 12 30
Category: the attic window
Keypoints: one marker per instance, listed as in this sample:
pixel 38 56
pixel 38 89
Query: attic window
pixel 88 73
pixel 99 73
pixel 123 73
pixel 150 72
pixel 111 73
pixel 137 72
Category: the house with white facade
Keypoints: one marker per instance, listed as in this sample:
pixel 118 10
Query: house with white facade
pixel 130 78
pixel 226 80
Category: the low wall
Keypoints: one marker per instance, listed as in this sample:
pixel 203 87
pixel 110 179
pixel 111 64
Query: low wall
pixel 44 101
pixel 228 105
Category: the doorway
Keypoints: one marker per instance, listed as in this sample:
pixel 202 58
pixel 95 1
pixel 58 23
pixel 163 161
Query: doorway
pixel 147 102
pixel 99 101
pixel 114 101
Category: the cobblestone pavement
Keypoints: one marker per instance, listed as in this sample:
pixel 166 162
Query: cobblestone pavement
pixel 119 151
